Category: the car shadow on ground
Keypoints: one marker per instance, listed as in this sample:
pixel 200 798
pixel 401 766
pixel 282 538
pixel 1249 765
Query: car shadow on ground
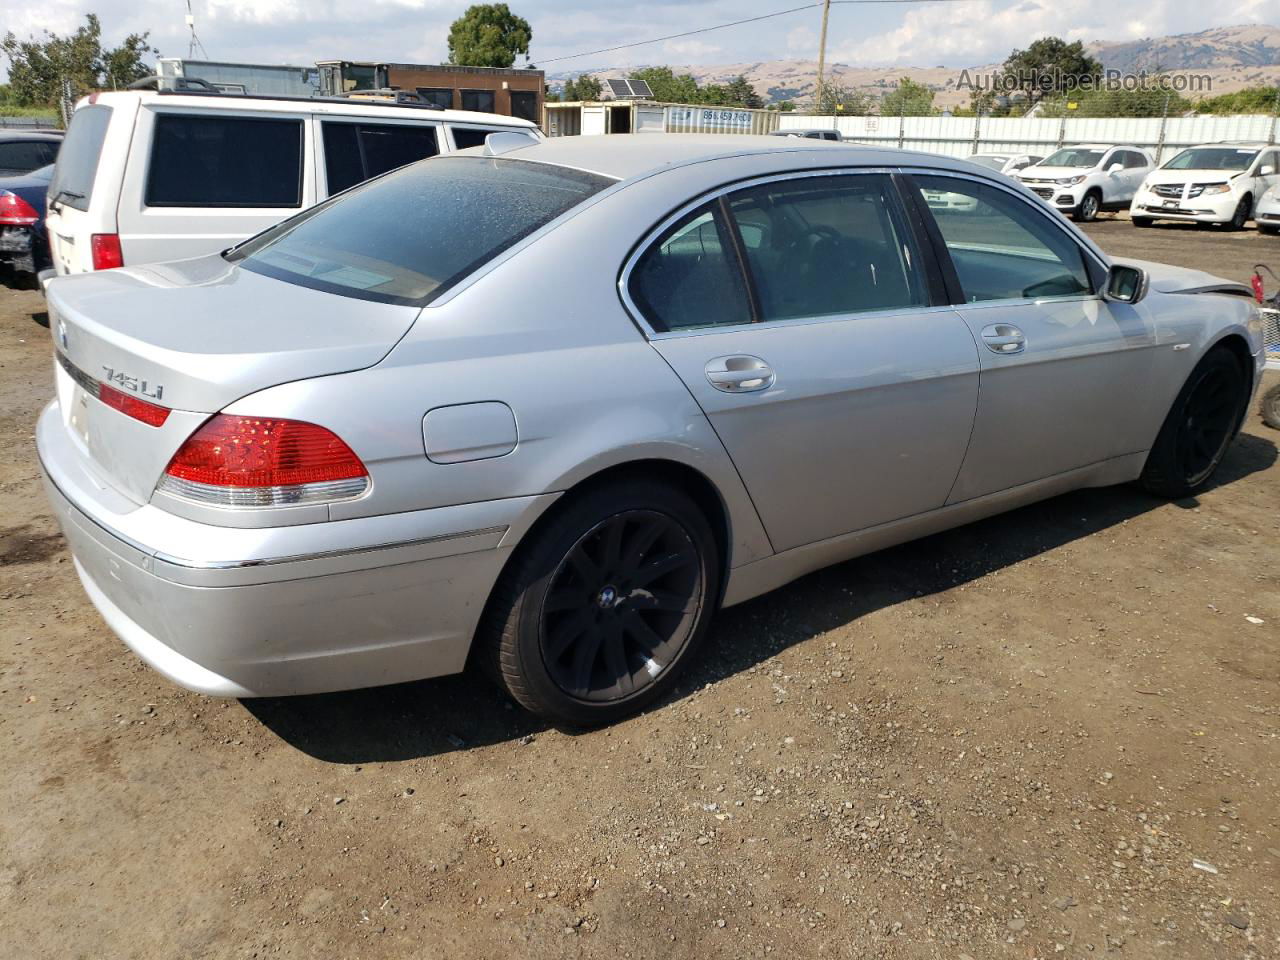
pixel 414 720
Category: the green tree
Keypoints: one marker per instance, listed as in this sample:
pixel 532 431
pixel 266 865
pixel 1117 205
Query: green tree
pixel 1261 99
pixel 39 66
pixel 1050 66
pixel 585 87
pixel 667 87
pixel 908 99
pixel 782 106
pixel 1116 103
pixel 743 94
pixel 839 99
pixel 488 35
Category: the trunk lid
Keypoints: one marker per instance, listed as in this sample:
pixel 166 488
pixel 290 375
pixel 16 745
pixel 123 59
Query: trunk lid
pixel 193 337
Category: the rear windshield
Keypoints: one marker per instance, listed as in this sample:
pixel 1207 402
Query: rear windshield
pixel 78 159
pixel 410 235
pixel 1213 158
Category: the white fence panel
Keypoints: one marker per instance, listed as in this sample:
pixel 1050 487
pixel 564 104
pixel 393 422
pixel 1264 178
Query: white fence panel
pixel 955 136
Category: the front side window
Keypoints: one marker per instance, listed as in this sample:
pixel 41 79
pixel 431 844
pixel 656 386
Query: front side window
pixel 354 152
pixel 1002 247
pixel 821 246
pixel 481 101
pixel 690 276
pixel 1135 160
pixel 1213 158
pixel 215 161
pixel 409 236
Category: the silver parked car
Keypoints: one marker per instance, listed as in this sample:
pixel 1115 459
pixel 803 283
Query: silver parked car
pixel 548 407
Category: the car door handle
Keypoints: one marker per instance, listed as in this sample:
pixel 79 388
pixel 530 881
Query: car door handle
pixel 742 373
pixel 1004 338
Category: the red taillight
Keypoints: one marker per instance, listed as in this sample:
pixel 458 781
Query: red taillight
pixel 105 248
pixel 270 462
pixel 16 212
pixel 131 406
pixel 1256 282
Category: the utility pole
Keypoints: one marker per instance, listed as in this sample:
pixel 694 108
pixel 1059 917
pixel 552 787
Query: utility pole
pixel 822 49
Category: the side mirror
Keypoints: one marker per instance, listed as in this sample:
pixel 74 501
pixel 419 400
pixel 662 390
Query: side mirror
pixel 1115 168
pixel 1125 284
pixel 1266 171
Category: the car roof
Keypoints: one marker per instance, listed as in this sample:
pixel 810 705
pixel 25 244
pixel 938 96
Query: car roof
pixel 1242 144
pixel 631 156
pixel 337 106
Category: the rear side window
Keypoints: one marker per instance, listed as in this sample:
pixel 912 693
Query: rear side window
pixel 354 152
pixel 821 246
pixel 409 236
pixel 78 159
pixel 691 276
pixel 210 161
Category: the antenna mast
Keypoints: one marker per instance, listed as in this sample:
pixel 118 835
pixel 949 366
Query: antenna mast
pixel 195 43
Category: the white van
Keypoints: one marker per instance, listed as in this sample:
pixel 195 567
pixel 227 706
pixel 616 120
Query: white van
pixel 146 176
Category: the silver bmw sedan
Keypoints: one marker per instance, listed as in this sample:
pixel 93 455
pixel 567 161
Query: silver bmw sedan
pixel 545 408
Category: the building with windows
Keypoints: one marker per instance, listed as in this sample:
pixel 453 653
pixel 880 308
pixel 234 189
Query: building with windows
pixel 513 92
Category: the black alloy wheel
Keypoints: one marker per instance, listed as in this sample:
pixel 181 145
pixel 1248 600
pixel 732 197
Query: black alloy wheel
pixel 1209 419
pixel 621 606
pixel 603 603
pixel 1199 428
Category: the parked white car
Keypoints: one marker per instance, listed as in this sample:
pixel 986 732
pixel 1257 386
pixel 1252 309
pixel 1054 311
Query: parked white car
pixel 147 176
pixel 1088 178
pixel 1211 183
pixel 1267 211
pixel 1006 163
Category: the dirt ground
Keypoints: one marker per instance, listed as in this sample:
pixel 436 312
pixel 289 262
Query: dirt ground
pixel 1013 740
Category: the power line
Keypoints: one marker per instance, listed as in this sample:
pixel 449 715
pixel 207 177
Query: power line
pixel 733 23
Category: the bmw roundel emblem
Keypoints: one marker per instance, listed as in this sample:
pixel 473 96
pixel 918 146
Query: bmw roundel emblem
pixel 62 333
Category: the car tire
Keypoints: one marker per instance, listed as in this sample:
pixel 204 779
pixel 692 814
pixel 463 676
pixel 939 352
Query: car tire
pixel 1087 210
pixel 1142 221
pixel 1271 407
pixel 1199 428
pixel 579 630
pixel 1241 215
pixel 1268 229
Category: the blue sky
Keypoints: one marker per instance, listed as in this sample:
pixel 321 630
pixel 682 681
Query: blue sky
pixel 966 33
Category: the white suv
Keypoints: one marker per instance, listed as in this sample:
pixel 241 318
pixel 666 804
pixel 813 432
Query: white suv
pixel 1211 183
pixel 146 176
pixel 1089 177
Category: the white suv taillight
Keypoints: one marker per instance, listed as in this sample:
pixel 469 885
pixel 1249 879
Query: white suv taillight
pixel 236 461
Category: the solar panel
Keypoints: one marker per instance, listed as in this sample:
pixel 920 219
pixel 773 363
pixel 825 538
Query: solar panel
pixel 624 88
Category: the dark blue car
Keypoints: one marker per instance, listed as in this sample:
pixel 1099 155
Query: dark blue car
pixel 23 243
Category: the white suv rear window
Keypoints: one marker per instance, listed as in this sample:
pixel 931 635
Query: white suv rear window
pixel 78 159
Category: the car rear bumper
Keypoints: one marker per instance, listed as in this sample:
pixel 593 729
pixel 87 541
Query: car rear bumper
pixel 262 616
